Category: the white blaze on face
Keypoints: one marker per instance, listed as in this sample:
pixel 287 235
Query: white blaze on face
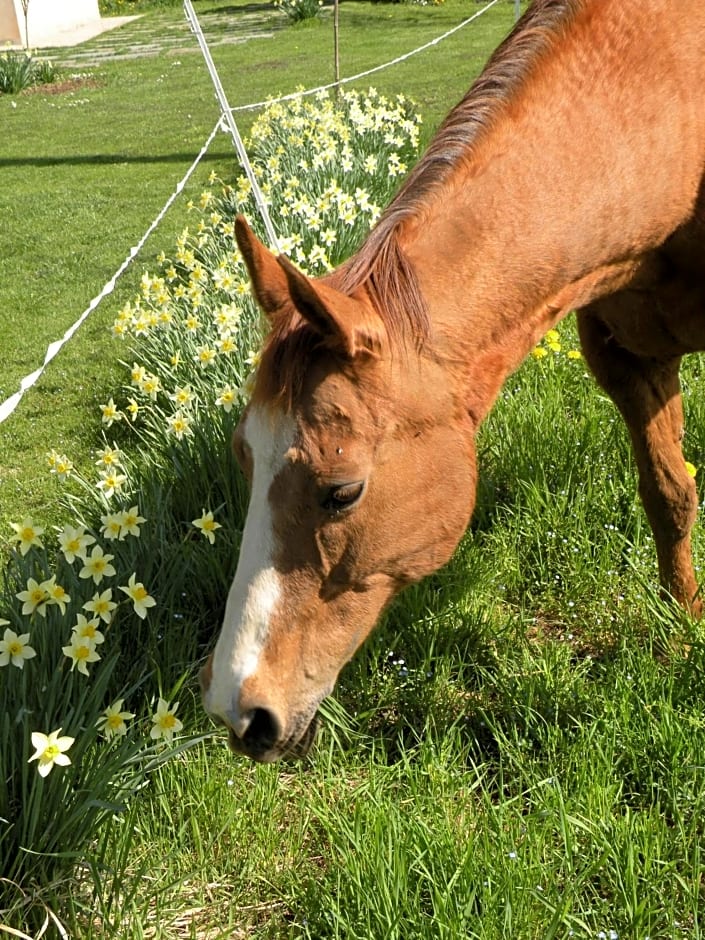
pixel 256 589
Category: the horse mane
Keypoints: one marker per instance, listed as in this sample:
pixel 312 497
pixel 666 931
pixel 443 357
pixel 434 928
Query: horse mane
pixel 380 266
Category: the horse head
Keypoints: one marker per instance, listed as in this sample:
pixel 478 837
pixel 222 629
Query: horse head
pixel 361 468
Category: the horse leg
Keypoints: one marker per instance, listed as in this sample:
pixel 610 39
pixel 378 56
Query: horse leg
pixel 646 390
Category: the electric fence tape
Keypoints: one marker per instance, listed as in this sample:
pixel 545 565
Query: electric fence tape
pixel 9 405
pixel 226 122
pixel 226 111
pixel 376 68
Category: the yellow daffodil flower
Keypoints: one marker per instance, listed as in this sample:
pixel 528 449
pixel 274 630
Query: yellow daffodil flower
pixel 80 651
pixel 139 596
pixel 74 542
pixel 27 534
pixel 112 721
pixel 207 525
pixel 97 565
pixel 50 749
pixel 102 605
pixel 34 598
pixel 165 724
pixel 15 649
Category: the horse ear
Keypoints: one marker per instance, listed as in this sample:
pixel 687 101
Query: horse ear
pixel 345 323
pixel 269 282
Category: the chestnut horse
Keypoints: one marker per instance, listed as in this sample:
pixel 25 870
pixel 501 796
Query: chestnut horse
pixel 569 177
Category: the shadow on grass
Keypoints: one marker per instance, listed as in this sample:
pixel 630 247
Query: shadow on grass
pixel 108 159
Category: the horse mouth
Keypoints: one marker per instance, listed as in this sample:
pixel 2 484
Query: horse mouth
pixel 294 747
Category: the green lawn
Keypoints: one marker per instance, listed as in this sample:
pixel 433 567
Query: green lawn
pixel 507 757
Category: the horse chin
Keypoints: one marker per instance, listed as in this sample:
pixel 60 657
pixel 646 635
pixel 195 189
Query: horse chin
pixel 293 748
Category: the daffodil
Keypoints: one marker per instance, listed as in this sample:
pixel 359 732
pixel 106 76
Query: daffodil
pixel 207 525
pixel 56 594
pixel 226 345
pixel 109 413
pixel 179 424
pixel 50 749
pixel 182 395
pixel 111 526
pixel 227 398
pixel 88 630
pixel 80 651
pixel 113 720
pixel 102 605
pixel 109 457
pixel 205 356
pixel 60 465
pixel 15 649
pixel 165 724
pixel 74 542
pixel 132 408
pixel 27 534
pixel 111 482
pixel 34 598
pixel 138 594
pixel 130 522
pixel 150 385
pixel 97 565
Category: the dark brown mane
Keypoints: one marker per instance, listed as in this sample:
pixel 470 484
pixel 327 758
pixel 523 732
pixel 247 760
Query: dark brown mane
pixel 380 265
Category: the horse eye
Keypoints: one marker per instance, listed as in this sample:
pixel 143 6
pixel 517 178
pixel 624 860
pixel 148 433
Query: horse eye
pixel 338 498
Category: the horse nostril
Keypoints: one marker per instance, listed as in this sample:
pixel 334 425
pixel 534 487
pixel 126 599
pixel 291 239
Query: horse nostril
pixel 263 730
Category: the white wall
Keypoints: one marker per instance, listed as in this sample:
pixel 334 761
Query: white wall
pixel 46 17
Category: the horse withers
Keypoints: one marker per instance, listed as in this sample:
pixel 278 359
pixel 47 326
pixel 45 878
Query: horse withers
pixel 570 177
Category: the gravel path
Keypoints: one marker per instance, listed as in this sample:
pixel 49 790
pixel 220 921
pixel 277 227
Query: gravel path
pixel 158 35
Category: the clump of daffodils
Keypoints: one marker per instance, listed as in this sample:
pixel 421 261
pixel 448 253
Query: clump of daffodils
pixel 325 167
pixel 298 10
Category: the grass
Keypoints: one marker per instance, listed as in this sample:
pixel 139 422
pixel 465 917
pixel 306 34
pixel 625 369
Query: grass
pixel 506 757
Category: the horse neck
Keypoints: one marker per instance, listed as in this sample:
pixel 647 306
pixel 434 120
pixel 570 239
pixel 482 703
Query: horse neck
pixel 559 202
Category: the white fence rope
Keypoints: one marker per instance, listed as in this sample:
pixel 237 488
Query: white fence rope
pixel 226 123
pixel 9 405
pixel 377 68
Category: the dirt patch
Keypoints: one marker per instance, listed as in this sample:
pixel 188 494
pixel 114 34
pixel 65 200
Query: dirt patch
pixel 63 86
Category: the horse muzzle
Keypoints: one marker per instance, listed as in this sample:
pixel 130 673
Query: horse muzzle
pixel 262 742
pixel 260 732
